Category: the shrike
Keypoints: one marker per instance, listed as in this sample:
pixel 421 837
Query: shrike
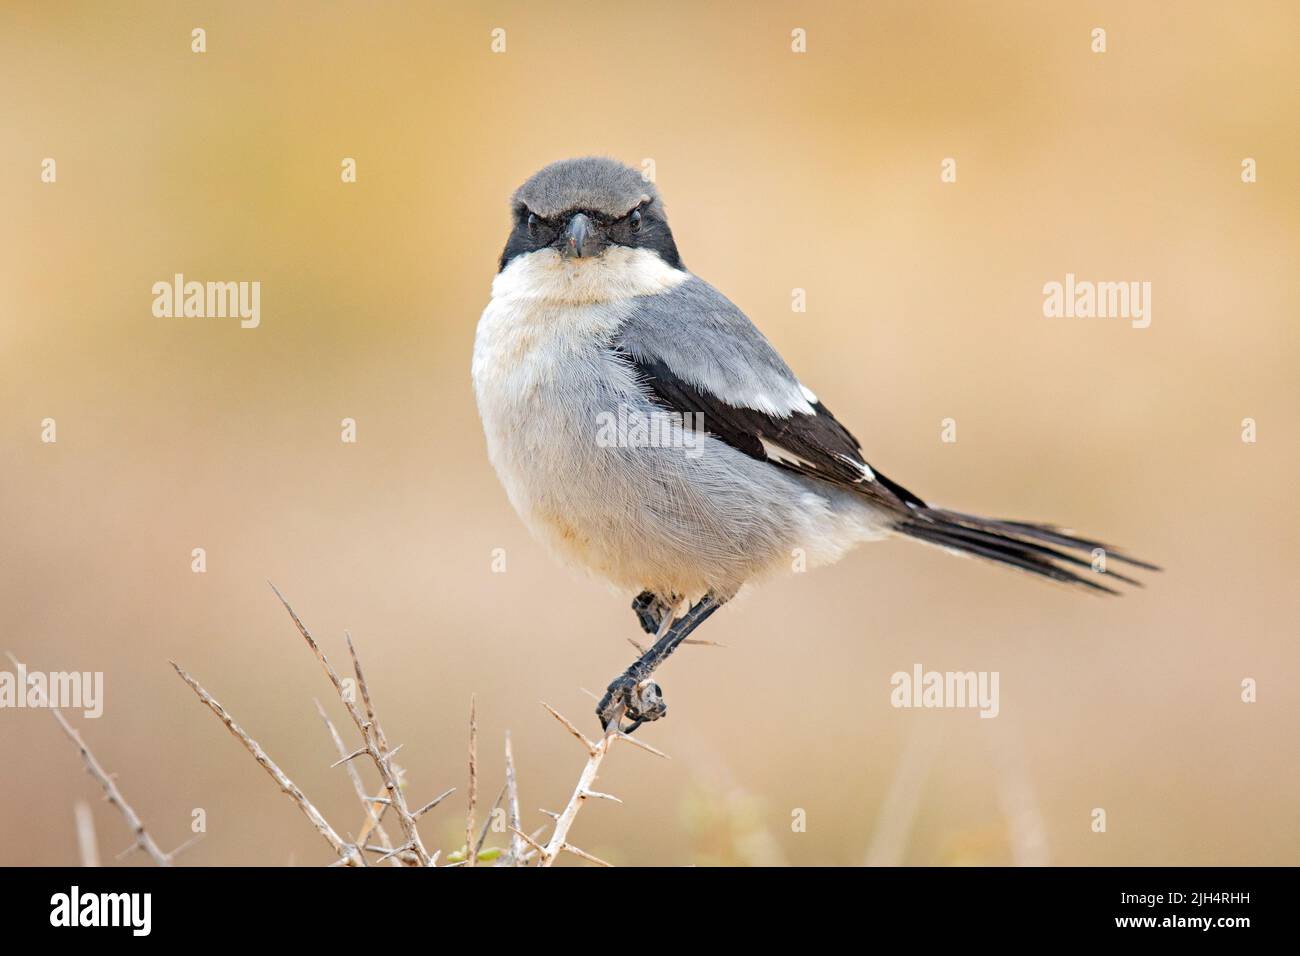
pixel 647 431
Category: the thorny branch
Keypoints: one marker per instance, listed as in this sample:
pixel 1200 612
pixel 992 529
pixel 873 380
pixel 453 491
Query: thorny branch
pixel 471 851
pixel 513 857
pixel 596 752
pixel 348 853
pixel 143 841
pixel 373 837
pixel 374 811
pixel 376 744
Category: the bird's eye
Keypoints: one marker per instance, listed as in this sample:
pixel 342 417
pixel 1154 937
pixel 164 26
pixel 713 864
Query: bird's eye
pixel 532 224
pixel 634 220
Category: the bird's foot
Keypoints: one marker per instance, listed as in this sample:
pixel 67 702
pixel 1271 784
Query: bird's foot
pixel 633 694
pixel 651 609
pixel 638 698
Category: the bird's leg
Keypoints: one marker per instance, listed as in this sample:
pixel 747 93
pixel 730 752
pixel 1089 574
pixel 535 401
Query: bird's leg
pixel 651 610
pixel 633 692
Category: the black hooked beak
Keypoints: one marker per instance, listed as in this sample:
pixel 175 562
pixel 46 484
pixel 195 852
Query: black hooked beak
pixel 581 238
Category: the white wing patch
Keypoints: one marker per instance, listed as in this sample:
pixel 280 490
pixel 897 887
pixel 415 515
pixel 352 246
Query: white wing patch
pixel 785 456
pixel 782 455
pixel 867 473
pixel 782 406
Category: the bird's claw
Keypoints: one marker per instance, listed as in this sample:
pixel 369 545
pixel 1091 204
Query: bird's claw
pixel 651 609
pixel 640 700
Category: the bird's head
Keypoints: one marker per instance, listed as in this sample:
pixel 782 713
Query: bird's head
pixel 580 209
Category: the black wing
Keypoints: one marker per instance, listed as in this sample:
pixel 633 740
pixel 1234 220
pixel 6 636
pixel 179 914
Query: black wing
pixel 818 446
pixel 815 445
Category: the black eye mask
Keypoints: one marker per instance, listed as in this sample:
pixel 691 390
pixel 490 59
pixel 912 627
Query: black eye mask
pixel 642 227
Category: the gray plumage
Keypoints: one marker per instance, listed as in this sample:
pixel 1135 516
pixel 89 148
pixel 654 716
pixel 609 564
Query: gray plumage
pixel 594 183
pixel 705 339
pixel 668 518
pixel 595 320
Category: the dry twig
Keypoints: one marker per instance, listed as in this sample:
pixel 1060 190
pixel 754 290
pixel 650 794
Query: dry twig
pixel 348 854
pixel 512 857
pixel 522 849
pixel 374 810
pixel 372 734
pixel 374 745
pixel 87 845
pixel 471 856
pixel 143 841
pixel 596 752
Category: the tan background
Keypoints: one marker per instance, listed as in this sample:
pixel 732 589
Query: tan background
pixel 817 171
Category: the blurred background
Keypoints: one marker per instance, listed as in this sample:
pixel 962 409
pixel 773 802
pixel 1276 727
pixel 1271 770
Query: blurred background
pixel 924 302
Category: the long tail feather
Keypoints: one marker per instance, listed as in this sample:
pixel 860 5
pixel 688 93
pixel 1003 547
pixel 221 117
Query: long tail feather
pixel 1018 544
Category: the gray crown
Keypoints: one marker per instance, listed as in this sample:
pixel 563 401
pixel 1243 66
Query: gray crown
pixel 592 182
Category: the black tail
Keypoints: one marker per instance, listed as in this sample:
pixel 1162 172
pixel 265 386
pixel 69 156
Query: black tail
pixel 1018 544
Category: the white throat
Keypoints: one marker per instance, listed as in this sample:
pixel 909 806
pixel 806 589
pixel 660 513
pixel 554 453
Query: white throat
pixel 620 273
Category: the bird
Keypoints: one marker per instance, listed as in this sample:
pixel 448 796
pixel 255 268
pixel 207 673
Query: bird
pixel 645 429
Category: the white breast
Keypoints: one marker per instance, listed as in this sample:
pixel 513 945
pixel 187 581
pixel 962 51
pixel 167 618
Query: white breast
pixel 542 374
pixel 548 317
pixel 642 517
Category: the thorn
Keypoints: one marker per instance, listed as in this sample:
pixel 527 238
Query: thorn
pixel 432 803
pixel 570 848
pixel 393 852
pixel 529 840
pixel 591 748
pixel 352 756
pixel 690 640
pixel 487 823
pixel 642 744
pixel 601 796
pixel 184 846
